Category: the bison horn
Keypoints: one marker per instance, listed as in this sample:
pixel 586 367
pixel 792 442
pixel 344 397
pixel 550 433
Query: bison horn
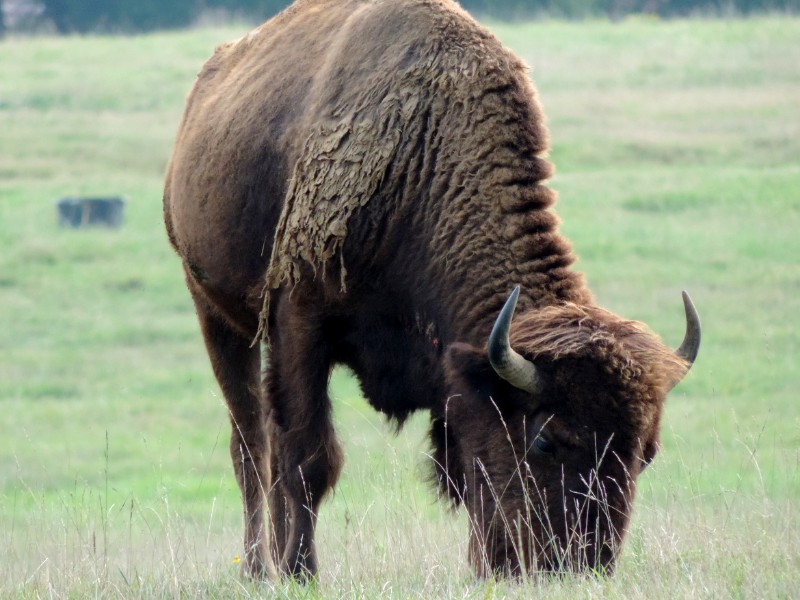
pixel 508 364
pixel 691 341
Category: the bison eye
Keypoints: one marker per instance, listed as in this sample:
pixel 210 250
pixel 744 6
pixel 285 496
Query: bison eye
pixel 543 446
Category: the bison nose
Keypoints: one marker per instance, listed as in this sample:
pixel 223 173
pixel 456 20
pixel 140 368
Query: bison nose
pixel 607 562
pixel 581 560
pixel 597 553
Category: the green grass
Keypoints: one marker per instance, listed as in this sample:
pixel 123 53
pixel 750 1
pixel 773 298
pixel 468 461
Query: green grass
pixel 677 148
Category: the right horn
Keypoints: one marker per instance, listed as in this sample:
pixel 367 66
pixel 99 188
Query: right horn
pixel 691 341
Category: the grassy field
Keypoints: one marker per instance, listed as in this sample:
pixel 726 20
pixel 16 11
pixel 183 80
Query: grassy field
pixel 677 146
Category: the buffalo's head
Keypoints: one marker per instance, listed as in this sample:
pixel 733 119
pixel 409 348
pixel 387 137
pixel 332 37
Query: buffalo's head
pixel 546 431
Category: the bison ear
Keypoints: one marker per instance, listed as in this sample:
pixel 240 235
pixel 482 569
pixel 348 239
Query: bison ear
pixel 469 371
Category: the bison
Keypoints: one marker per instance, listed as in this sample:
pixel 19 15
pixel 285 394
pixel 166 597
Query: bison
pixel 362 182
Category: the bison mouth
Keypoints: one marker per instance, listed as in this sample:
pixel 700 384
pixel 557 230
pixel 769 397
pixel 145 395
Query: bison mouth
pixel 578 534
pixel 522 555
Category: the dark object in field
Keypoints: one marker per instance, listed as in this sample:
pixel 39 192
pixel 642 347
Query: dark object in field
pixel 90 212
pixel 362 182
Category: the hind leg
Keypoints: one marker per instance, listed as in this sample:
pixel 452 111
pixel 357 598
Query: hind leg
pixel 306 453
pixel 237 368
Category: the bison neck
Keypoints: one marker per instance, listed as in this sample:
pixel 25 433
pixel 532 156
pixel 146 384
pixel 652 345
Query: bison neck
pixel 509 240
pixel 487 258
pixel 455 252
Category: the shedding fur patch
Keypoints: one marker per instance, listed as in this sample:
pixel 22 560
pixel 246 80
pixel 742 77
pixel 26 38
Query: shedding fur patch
pixel 341 168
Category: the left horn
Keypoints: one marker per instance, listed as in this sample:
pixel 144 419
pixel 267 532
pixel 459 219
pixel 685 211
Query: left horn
pixel 691 341
pixel 507 363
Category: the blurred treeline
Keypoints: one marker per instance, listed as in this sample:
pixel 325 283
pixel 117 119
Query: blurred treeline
pixel 581 9
pixel 83 16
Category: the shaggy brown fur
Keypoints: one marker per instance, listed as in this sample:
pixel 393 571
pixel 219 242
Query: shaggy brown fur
pixel 362 182
pixel 629 351
pixel 404 139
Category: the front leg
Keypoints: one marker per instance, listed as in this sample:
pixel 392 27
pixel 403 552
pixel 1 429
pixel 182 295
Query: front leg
pixel 276 499
pixel 306 458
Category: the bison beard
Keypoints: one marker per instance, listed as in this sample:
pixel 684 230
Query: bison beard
pixel 361 182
